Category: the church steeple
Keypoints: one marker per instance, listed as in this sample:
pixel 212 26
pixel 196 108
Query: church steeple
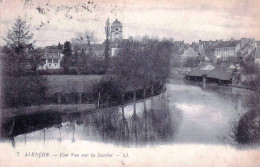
pixel 116 31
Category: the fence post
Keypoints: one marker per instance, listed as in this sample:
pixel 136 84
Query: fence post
pixel 152 90
pixel 134 102
pixel 144 93
pixel 98 99
pixel 80 97
pixel 59 98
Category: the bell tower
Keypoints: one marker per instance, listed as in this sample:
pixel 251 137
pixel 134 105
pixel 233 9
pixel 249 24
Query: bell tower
pixel 116 31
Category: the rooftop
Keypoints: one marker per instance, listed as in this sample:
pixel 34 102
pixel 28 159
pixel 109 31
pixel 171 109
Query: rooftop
pixel 189 53
pixel 228 44
pixel 116 23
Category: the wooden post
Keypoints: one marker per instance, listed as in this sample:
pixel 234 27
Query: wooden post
pixel 123 98
pixel 134 102
pixel 44 135
pixel 123 111
pixel 60 133
pixel 204 82
pixel 144 93
pixel 67 98
pixel 98 99
pixel 59 98
pixel 24 139
pixel 80 97
pixel 12 142
pixel 73 139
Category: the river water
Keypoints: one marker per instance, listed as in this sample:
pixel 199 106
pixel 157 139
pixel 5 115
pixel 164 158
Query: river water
pixel 183 114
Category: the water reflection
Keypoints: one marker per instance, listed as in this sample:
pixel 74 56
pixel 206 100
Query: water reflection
pixel 188 113
pixel 145 122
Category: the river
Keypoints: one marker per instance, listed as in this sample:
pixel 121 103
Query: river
pixel 185 113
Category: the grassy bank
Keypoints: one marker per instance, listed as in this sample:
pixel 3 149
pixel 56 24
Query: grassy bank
pixel 61 108
pixel 69 83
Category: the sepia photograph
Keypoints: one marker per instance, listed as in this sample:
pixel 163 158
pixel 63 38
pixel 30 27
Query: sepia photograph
pixel 130 83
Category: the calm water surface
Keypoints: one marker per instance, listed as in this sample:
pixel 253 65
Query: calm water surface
pixel 184 114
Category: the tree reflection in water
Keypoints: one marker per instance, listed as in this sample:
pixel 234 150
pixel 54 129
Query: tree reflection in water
pixel 153 125
pixel 137 123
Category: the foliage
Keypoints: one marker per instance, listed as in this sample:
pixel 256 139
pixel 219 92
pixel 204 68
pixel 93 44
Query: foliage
pixel 191 62
pixel 23 91
pixel 247 129
pixel 66 61
pixel 19 36
pixel 108 89
pixel 21 84
pixel 140 64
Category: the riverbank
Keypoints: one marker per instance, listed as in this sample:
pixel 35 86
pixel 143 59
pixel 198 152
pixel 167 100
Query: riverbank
pixel 227 89
pixel 60 108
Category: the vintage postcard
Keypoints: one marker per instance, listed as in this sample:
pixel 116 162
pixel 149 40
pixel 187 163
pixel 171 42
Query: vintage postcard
pixel 172 83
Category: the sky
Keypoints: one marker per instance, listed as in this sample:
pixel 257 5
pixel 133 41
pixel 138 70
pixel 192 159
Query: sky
pixel 54 21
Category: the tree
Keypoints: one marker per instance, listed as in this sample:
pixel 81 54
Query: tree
pixel 19 36
pixel 20 88
pixel 67 51
pixel 107 31
pixel 142 64
pixel 191 62
pixel 86 38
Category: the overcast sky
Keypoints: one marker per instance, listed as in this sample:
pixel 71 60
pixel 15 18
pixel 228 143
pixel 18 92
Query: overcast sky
pixel 54 21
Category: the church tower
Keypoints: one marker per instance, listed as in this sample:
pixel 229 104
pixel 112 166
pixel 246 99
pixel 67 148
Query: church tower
pixel 116 31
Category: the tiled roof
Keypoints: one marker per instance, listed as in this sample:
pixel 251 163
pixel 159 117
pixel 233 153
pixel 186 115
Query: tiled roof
pixel 220 73
pixel 202 70
pixel 52 55
pixel 247 45
pixel 223 72
pixel 190 53
pixel 117 41
pixel 116 23
pixel 228 44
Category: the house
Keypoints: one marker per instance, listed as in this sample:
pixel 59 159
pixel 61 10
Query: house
pixel 257 55
pixel 209 47
pixel 247 52
pixel 50 60
pixel 227 49
pixel 189 53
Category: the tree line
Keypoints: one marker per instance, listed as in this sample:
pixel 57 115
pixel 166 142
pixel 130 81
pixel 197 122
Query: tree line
pixel 138 65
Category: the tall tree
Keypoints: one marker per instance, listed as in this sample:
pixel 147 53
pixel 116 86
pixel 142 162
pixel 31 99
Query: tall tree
pixel 19 36
pixel 107 31
pixel 18 89
pixel 67 51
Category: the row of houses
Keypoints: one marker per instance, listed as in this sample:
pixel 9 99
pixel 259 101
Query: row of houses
pixel 245 49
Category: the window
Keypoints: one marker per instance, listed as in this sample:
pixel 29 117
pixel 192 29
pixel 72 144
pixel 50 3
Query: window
pixel 43 61
pixel 116 35
pixel 49 60
pixel 55 60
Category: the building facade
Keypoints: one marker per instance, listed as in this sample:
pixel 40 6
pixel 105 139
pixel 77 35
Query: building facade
pixel 51 61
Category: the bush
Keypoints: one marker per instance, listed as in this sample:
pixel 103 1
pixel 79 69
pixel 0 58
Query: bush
pixel 109 92
pixel 248 128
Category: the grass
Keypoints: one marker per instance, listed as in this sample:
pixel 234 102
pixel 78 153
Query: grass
pixel 69 83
